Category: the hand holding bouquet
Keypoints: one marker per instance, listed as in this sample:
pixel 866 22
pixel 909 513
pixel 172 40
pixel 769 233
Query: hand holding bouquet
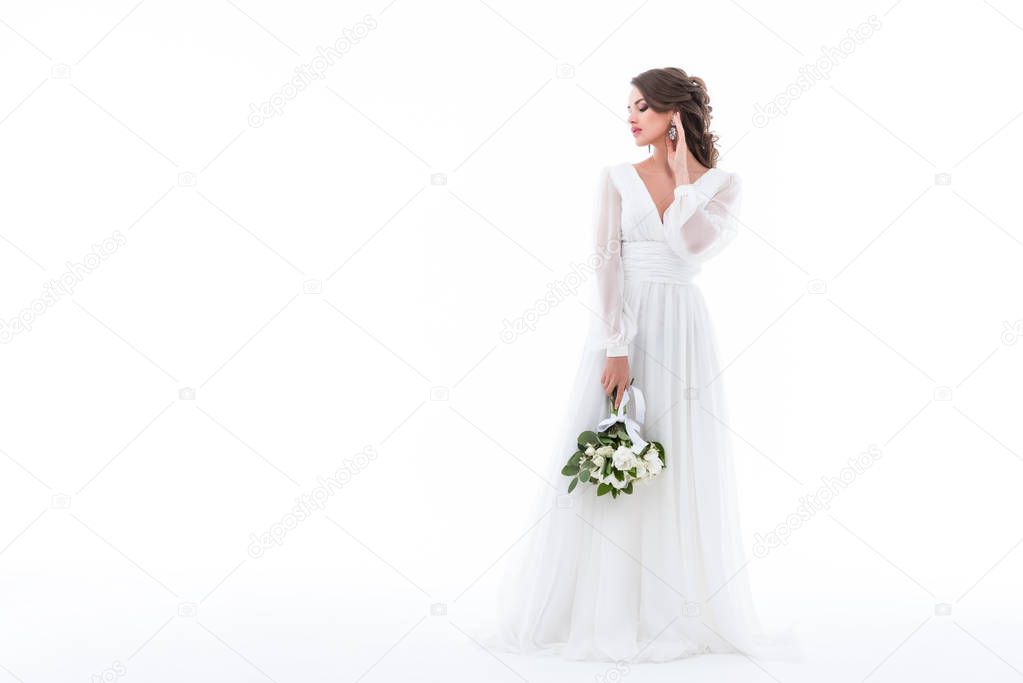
pixel 615 455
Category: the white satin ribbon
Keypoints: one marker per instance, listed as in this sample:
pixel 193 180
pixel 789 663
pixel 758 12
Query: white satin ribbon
pixel 631 425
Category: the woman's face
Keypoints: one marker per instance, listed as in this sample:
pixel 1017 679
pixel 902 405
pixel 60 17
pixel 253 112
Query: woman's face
pixel 648 127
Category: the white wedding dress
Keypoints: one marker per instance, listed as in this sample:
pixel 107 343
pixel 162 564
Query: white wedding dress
pixel 661 573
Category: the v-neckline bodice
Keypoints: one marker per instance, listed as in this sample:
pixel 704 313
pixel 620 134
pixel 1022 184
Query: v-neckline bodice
pixel 650 197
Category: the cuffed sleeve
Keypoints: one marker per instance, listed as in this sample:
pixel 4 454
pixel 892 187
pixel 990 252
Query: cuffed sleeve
pixel 702 219
pixel 609 273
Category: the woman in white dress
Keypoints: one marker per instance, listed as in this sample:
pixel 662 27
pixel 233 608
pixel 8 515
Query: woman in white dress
pixel 661 573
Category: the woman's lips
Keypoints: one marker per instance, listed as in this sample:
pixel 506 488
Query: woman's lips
pixel 636 131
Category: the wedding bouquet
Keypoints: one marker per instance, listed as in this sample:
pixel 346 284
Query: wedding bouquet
pixel 615 455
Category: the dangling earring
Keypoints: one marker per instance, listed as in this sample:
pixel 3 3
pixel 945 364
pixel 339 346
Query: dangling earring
pixel 672 132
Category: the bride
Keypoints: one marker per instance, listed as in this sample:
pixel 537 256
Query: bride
pixel 661 573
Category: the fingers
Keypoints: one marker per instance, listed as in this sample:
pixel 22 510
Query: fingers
pixel 615 382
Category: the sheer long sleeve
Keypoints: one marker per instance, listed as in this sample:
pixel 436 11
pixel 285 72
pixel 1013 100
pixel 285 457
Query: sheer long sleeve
pixel 609 273
pixel 702 219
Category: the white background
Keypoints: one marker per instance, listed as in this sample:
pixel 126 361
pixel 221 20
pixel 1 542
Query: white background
pixel 434 182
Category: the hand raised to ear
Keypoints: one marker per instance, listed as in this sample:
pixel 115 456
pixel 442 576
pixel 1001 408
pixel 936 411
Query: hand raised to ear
pixel 678 151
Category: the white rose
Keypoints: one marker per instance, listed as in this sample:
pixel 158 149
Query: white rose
pixel 590 450
pixel 654 466
pixel 598 460
pixel 624 458
pixel 605 451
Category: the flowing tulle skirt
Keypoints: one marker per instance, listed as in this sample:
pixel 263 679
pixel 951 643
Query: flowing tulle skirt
pixel 659 574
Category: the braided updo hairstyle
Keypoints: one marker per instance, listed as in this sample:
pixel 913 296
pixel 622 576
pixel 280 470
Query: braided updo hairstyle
pixel 668 89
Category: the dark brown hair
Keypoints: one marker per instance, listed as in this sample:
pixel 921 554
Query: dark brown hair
pixel 672 89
